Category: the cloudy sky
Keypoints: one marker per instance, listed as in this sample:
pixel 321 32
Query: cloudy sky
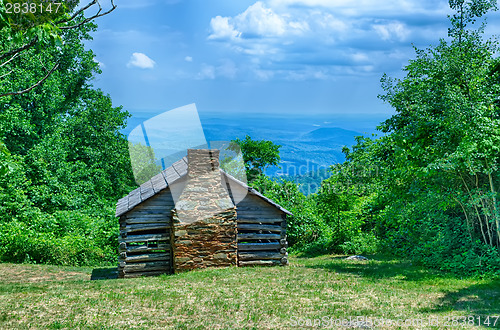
pixel 273 56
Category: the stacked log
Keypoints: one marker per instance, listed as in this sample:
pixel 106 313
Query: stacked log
pixel 145 248
pixel 261 234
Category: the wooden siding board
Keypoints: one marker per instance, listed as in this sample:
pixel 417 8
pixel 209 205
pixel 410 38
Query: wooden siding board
pixel 144 248
pixel 258 220
pixel 259 263
pixel 258 246
pixel 146 266
pixel 150 226
pixel 257 226
pixel 145 238
pixel 260 255
pixel 252 236
pixel 148 257
pixel 132 221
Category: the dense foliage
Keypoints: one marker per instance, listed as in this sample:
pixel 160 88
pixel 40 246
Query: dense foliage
pixel 64 163
pixel 429 187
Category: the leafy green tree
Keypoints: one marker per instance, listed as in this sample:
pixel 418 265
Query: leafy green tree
pixel 38 25
pixel 143 162
pixel 435 196
pixel 348 200
pixel 72 163
pixel 258 155
pixel 5 162
pixel 446 126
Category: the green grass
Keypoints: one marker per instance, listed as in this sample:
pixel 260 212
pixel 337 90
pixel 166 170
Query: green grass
pixel 323 288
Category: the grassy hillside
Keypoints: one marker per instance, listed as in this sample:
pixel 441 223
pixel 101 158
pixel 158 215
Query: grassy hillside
pixel 323 288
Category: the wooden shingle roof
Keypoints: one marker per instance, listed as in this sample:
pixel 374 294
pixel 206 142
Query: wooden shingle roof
pixel 175 172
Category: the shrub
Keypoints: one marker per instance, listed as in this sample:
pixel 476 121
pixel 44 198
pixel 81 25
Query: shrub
pixel 363 243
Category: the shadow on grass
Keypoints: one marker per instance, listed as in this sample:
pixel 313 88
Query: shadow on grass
pixel 474 297
pixel 378 267
pixel 109 273
pixel 479 300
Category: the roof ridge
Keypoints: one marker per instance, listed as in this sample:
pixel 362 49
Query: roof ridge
pixel 161 181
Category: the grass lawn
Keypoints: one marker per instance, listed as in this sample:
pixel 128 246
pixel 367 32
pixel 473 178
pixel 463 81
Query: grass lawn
pixel 322 291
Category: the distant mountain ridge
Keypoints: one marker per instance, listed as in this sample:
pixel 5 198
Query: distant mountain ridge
pixel 331 134
pixel 307 144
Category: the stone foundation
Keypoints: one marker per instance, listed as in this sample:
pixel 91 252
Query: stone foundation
pixel 210 242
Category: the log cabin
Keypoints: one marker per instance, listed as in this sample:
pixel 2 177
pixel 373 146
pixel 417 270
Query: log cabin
pixel 194 215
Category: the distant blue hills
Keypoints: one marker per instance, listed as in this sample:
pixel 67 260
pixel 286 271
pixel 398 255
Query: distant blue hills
pixel 308 143
pixel 331 134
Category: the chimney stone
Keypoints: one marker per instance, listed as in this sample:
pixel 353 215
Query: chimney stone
pixel 204 195
pixel 202 161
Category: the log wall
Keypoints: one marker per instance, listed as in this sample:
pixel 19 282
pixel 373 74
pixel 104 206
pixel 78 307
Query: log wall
pixel 261 233
pixel 149 237
pixel 145 244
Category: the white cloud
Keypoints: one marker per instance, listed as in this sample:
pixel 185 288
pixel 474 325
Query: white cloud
pixel 227 70
pixel 188 59
pixel 324 39
pixel 391 31
pixel 140 60
pixel 258 20
pixel 206 72
pixel 221 28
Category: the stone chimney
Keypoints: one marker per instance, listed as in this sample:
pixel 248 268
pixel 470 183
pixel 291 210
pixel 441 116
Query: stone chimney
pixel 203 195
pixel 204 218
pixel 203 161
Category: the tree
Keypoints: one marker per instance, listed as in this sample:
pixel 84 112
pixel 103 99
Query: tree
pixel 257 155
pixel 39 25
pixel 5 162
pixel 348 200
pixel 143 162
pixel 72 163
pixel 435 199
pixel 446 126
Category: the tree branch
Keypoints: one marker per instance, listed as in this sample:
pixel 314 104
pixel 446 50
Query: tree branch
pixel 20 49
pixel 92 17
pixel 81 10
pixel 35 85
pixel 10 59
pixel 4 75
pixel 13 53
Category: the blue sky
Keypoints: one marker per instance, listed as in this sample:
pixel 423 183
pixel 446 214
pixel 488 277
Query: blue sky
pixel 268 56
